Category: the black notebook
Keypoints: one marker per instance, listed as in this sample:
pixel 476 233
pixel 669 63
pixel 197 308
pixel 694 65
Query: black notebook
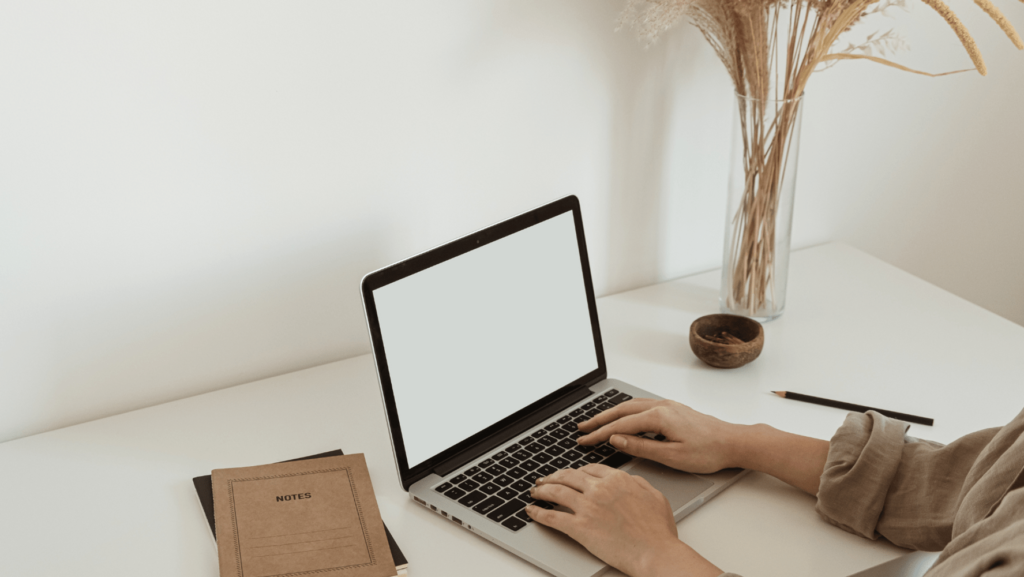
pixel 204 490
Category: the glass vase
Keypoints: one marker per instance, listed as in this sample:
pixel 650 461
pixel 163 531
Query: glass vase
pixel 759 216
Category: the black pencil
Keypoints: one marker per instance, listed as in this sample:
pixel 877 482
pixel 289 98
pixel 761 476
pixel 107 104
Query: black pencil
pixel 853 407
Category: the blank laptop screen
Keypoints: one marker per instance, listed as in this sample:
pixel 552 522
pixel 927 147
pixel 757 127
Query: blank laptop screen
pixel 476 338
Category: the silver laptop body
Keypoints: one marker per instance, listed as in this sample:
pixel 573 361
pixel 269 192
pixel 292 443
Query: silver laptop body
pixel 488 352
pixel 914 564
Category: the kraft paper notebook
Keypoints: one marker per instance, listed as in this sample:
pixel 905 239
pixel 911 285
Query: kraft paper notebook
pixel 204 491
pixel 309 517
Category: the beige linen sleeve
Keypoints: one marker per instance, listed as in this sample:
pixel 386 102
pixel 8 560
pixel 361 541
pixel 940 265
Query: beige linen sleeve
pixel 879 482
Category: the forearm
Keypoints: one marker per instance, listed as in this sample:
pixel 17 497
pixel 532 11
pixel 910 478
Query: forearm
pixel 795 459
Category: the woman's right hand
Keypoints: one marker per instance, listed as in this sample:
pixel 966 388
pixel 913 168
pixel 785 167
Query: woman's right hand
pixel 695 442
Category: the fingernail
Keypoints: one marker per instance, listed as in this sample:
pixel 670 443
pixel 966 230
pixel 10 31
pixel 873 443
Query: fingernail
pixel 618 441
pixel 539 481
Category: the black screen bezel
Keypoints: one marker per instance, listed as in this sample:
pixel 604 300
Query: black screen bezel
pixel 423 261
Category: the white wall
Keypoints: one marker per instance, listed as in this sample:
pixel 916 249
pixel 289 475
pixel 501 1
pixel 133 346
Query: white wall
pixel 925 173
pixel 190 191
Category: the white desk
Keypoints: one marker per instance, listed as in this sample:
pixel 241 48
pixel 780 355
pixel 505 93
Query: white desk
pixel 114 496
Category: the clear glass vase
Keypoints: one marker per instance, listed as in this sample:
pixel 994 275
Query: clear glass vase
pixel 759 217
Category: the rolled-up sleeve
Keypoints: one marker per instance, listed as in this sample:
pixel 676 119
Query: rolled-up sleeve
pixel 878 481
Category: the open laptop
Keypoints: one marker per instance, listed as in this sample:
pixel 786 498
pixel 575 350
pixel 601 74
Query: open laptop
pixel 488 352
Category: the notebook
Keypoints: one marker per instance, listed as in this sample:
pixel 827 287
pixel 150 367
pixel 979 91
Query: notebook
pixel 204 490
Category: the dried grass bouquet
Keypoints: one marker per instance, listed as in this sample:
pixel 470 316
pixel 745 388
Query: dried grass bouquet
pixel 770 48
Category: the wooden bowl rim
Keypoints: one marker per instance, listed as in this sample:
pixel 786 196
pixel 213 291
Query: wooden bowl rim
pixel 758 339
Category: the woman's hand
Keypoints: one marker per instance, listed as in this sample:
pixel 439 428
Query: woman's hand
pixel 695 442
pixel 619 518
pixel 699 443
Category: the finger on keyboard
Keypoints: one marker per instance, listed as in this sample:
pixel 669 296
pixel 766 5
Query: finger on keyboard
pixel 629 424
pixel 617 412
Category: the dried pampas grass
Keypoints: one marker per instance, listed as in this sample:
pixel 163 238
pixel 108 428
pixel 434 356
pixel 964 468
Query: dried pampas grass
pixel 770 48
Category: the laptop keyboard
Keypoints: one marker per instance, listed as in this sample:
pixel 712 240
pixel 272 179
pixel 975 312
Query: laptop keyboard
pixel 498 486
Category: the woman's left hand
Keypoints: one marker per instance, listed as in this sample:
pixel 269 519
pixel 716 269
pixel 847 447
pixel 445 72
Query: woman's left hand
pixel 620 518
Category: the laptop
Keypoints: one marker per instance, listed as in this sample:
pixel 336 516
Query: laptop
pixel 488 353
pixel 914 564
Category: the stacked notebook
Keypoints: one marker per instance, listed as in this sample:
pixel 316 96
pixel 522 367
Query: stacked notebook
pixel 315 513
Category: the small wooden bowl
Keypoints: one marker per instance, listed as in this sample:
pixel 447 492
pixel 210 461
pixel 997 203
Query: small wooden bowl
pixel 707 330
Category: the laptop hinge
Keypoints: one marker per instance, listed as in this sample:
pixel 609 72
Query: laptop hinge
pixel 513 430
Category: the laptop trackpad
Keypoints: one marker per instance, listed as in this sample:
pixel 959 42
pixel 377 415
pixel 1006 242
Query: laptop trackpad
pixel 680 488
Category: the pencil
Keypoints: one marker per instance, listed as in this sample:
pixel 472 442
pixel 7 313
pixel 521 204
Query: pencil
pixel 853 407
